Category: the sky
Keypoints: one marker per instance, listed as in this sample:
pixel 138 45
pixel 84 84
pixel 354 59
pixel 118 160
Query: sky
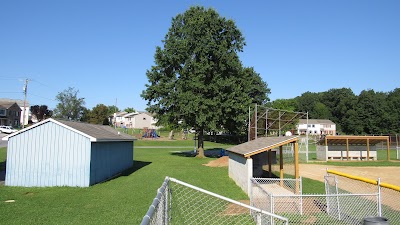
pixel 104 48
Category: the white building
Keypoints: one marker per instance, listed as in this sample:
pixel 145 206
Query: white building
pixel 316 127
pixel 138 120
pixel 144 119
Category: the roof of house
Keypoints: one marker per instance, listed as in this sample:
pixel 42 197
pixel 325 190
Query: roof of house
pixel 120 113
pixel 132 114
pixel 352 140
pixel 19 102
pixel 7 105
pixel 95 132
pixel 260 145
pixel 315 121
pixel 147 113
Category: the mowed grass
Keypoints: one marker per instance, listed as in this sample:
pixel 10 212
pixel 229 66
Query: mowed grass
pixel 126 199
pixel 123 200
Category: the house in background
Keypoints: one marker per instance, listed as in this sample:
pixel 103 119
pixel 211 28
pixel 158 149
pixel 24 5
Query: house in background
pixel 65 153
pixel 118 119
pixel 10 114
pixel 129 119
pixel 137 120
pixel 316 127
pixel 144 120
pixel 24 117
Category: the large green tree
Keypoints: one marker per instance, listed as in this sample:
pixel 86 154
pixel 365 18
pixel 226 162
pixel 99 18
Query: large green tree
pixel 112 109
pixel 340 102
pixel 198 77
pixel 41 112
pixel 99 115
pixel 393 112
pixel 69 106
pixel 129 110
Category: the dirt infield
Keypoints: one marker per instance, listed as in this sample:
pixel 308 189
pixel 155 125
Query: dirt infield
pixel 316 172
pixel 387 174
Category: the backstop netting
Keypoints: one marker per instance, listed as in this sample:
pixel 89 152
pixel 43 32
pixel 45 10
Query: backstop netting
pixel 270 122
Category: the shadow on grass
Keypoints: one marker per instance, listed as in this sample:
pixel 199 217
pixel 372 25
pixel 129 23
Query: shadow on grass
pixel 226 139
pixel 209 153
pixel 137 165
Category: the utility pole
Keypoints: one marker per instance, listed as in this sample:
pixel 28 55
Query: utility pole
pixel 25 88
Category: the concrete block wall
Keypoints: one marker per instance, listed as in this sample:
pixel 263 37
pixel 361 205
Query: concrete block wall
pixel 241 170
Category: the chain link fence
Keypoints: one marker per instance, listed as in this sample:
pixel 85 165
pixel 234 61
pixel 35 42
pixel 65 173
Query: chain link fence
pixel 285 198
pixel 287 158
pixel 180 203
pixel 389 194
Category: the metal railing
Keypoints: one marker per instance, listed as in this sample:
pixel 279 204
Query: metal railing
pixel 179 203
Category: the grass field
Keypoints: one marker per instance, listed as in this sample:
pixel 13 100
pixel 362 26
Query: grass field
pixel 123 200
pixel 126 199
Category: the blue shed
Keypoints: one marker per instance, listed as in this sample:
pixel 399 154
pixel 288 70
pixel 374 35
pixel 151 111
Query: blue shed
pixel 65 153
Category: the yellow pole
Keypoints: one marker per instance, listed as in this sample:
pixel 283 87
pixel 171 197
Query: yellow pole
pixel 366 180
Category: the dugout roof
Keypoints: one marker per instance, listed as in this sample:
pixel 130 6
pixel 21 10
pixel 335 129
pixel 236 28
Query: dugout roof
pixel 260 145
pixel 352 140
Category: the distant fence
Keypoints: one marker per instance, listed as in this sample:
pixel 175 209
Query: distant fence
pixel 394 142
pixel 389 194
pixel 179 203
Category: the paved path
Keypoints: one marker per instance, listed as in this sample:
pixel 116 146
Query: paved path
pixel 2 143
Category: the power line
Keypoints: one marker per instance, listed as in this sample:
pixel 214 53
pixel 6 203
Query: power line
pixel 43 97
pixel 10 78
pixel 42 84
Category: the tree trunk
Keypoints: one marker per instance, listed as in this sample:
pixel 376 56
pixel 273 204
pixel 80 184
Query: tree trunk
pixel 200 144
pixel 171 135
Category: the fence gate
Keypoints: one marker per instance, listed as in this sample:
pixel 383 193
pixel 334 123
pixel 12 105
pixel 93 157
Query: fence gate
pixel 332 198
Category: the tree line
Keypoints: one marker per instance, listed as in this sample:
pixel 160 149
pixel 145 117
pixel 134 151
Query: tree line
pixel 72 107
pixel 369 112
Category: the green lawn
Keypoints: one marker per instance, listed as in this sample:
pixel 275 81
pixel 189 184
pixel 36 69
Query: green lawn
pixel 124 200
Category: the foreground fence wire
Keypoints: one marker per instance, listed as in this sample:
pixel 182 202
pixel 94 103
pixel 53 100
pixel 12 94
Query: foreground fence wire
pixel 179 203
pixel 283 198
pixel 389 194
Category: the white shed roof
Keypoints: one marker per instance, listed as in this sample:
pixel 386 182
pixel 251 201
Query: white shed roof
pixel 95 132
